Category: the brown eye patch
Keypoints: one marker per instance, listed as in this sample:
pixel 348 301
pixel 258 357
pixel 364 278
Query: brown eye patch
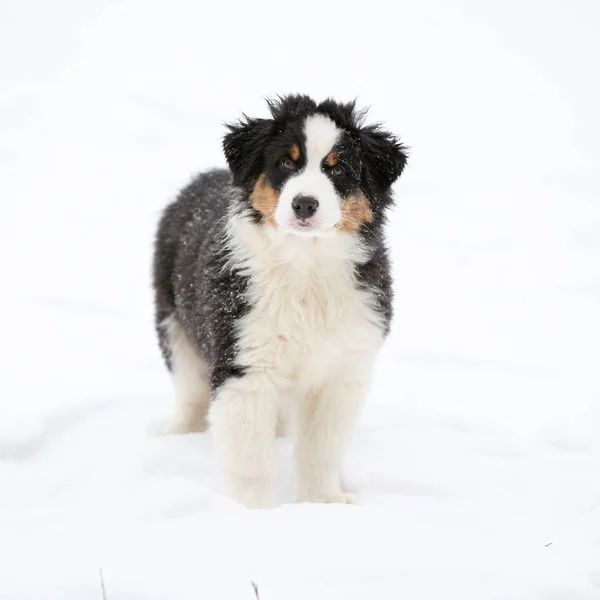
pixel 264 199
pixel 332 159
pixel 356 212
pixel 294 152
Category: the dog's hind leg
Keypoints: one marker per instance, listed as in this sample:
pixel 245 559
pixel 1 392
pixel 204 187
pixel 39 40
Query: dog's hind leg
pixel 190 378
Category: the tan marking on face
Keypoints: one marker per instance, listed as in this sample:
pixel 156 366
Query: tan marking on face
pixel 332 159
pixel 264 199
pixel 356 212
pixel 294 152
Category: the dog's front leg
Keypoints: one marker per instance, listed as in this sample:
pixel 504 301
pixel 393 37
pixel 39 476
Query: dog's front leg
pixel 325 423
pixel 243 418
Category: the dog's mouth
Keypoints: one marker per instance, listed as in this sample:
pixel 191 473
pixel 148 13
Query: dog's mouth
pixel 307 227
pixel 303 224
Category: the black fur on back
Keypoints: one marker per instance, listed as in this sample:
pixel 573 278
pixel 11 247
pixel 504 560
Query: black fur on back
pixel 192 279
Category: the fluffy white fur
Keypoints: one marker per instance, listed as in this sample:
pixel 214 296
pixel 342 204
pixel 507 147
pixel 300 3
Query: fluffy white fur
pixel 308 345
pixel 321 134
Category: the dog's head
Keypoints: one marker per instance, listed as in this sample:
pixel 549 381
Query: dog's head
pixel 314 169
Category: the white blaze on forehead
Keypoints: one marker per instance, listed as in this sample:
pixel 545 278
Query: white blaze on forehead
pixel 321 135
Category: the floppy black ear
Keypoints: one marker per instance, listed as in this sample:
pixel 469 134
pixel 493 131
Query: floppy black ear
pixel 244 146
pixel 384 156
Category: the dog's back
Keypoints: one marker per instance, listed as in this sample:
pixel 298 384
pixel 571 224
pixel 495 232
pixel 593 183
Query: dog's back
pixel 186 237
pixel 192 289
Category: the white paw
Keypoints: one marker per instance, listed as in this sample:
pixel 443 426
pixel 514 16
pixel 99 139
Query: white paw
pixel 253 496
pixel 176 426
pixel 332 498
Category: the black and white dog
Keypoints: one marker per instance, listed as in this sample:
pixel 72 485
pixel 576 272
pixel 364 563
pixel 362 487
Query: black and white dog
pixel 273 292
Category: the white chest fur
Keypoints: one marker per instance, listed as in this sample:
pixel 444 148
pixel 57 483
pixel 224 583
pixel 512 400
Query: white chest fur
pixel 309 337
pixel 308 319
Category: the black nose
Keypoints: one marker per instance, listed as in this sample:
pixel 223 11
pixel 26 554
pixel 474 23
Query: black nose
pixel 305 206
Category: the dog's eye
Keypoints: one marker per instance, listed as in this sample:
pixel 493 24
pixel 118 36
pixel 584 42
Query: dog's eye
pixel 338 171
pixel 287 164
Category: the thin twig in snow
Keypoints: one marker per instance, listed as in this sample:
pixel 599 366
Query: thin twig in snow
pixel 102 585
pixel 255 590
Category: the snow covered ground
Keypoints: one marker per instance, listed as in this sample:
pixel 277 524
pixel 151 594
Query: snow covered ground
pixel 478 457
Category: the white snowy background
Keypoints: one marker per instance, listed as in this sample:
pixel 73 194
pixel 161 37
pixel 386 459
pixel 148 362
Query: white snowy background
pixel 478 457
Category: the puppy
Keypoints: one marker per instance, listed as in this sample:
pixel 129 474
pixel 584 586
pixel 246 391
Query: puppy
pixel 273 292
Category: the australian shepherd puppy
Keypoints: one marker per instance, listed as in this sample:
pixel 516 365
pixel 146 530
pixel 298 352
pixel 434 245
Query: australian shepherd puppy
pixel 273 292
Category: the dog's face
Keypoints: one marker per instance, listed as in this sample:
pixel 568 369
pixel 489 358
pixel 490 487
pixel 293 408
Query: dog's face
pixel 312 169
